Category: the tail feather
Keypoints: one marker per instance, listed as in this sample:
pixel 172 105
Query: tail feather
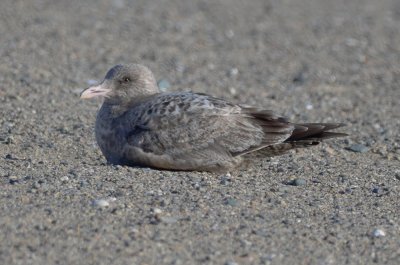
pixel 315 131
pixel 281 136
pixel 303 136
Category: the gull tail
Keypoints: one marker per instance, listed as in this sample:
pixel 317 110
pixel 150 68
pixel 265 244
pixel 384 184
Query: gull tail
pixel 303 136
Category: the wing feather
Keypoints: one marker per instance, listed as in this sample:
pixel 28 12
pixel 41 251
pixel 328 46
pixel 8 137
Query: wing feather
pixel 188 125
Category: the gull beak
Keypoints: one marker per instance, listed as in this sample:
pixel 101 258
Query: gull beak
pixel 95 91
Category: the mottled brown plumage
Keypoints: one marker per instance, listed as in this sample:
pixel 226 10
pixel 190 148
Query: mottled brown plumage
pixel 139 126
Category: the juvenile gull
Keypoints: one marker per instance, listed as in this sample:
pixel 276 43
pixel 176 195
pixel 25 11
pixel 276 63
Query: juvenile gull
pixel 138 125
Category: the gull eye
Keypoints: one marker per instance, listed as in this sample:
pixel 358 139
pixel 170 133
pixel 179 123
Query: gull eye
pixel 126 79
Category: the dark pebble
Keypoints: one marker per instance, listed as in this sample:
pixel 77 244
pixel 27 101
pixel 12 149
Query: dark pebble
pixel 376 190
pixel 299 78
pixel 342 179
pixel 13 180
pixel 225 180
pixel 348 190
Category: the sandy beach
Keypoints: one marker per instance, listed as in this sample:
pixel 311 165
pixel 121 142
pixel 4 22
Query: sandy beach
pixel 309 60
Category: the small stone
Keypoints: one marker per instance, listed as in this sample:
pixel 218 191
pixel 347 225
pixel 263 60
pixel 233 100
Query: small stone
pixel 376 190
pixel 298 182
pixel 63 130
pixel 330 150
pixel 378 233
pixel 231 202
pixel 64 178
pixel 342 178
pixel 231 263
pixel 197 186
pixel 168 219
pixel 101 203
pixel 163 85
pixel 225 179
pixel 233 72
pixel 13 179
pixel 157 211
pixel 358 148
pixel 10 140
pixel 149 193
pixel 299 78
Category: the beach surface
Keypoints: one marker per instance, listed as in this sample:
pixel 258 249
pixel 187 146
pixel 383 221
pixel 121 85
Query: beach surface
pixel 309 60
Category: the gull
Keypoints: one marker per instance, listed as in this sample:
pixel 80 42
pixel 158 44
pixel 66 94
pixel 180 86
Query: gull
pixel 137 125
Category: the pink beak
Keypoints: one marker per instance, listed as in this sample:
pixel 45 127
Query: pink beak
pixel 95 91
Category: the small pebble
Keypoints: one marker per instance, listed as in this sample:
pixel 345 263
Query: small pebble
pixel 397 175
pixel 348 190
pixel 359 148
pixel 157 211
pixel 163 85
pixel 378 233
pixel 197 186
pixel 10 140
pixel 101 203
pixel 298 182
pixel 299 78
pixel 231 263
pixel 232 90
pixel 231 202
pixel 13 179
pixel 342 178
pixel 233 72
pixel 149 193
pixel 330 151
pixel 376 190
pixel 64 178
pixel 225 179
pixel 168 219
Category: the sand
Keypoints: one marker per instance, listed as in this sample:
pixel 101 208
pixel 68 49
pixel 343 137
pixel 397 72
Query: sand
pixel 310 60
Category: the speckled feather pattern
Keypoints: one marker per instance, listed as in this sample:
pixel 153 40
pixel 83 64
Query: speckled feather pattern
pixel 189 131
